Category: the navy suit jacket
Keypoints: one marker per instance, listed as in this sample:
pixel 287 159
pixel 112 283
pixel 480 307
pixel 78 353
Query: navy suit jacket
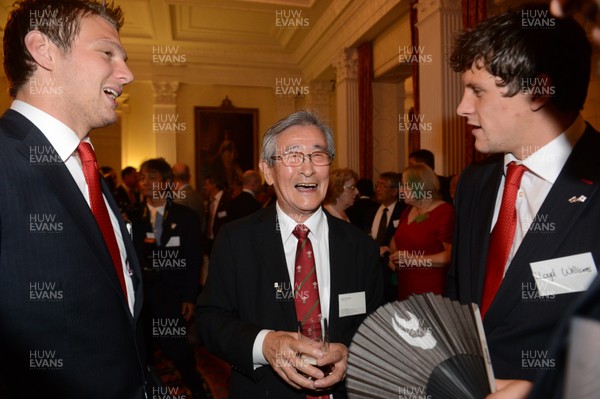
pixel 242 205
pixel 240 298
pixel 173 267
pixel 519 324
pixel 66 329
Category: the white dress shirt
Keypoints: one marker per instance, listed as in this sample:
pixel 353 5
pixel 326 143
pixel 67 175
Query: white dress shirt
pixel 543 164
pixel 319 238
pixel 65 142
pixel 377 219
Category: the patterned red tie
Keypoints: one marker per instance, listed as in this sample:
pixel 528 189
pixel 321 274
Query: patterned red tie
pixel 502 236
pixel 306 295
pixel 92 178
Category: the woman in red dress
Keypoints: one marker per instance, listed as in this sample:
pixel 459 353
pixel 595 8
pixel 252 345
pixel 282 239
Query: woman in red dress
pixel 422 244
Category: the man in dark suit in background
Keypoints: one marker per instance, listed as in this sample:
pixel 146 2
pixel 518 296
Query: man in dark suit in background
pixel 527 217
pixel 127 193
pixel 389 211
pixel 70 282
pixel 216 214
pixel 166 237
pixel 248 311
pixel 184 194
pixel 246 203
pixel 364 205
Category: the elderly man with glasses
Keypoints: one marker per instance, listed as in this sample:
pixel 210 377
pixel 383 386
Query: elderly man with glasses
pixel 284 265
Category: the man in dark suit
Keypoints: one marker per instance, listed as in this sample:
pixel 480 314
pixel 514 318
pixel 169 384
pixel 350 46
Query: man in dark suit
pixel 364 205
pixel 249 309
pixel 216 214
pixel 519 240
pixel 70 281
pixel 184 194
pixel 167 239
pixel 246 203
pixel 127 193
pixel 390 208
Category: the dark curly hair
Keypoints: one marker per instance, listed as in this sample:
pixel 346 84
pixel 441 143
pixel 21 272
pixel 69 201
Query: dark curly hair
pixel 520 46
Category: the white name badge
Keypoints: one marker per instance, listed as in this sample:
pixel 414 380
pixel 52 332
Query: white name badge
pixel 173 242
pixel 564 275
pixel 352 304
pixel 396 223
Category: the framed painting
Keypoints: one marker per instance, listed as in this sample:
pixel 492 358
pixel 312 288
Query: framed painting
pixel 226 142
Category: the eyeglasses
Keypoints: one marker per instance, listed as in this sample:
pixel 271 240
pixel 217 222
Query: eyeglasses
pixel 352 187
pixel 318 158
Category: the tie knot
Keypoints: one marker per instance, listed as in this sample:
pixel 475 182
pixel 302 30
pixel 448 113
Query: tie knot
pixel 301 231
pixel 385 210
pixel 514 173
pixel 86 152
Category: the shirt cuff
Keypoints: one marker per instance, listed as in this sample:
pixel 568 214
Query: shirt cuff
pixel 257 354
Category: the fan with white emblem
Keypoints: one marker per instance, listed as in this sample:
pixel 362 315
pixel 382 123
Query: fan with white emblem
pixel 426 347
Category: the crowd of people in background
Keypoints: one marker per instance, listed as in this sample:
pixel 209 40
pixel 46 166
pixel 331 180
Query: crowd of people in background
pixel 475 239
pixel 410 215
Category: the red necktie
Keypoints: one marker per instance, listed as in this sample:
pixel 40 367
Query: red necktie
pixel 502 236
pixel 307 289
pixel 92 178
pixel 306 298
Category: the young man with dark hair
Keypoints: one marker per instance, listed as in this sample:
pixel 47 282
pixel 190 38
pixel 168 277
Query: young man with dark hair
pixel 70 281
pixel 533 207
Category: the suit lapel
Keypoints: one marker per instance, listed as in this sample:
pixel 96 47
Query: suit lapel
pixel 577 178
pixel 485 202
pixel 391 228
pixel 167 231
pixel 134 266
pixel 269 249
pixel 69 195
pixel 339 260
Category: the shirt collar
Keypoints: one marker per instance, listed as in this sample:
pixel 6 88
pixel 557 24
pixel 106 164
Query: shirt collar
pixel 63 139
pixel 315 224
pixel 548 161
pixel 218 196
pixel 389 207
pixel 247 190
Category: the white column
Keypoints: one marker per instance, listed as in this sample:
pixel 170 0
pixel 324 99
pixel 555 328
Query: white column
pixel 440 88
pixel 346 66
pixel 165 119
pixel 318 99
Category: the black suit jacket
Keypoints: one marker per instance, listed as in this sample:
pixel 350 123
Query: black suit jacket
pixel 550 383
pixel 124 202
pixel 392 221
pixel 243 205
pixel 173 266
pixel 359 212
pixel 66 329
pixel 240 298
pixel 518 322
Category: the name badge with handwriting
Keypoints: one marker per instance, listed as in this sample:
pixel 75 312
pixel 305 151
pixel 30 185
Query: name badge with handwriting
pixel 352 304
pixel 564 275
